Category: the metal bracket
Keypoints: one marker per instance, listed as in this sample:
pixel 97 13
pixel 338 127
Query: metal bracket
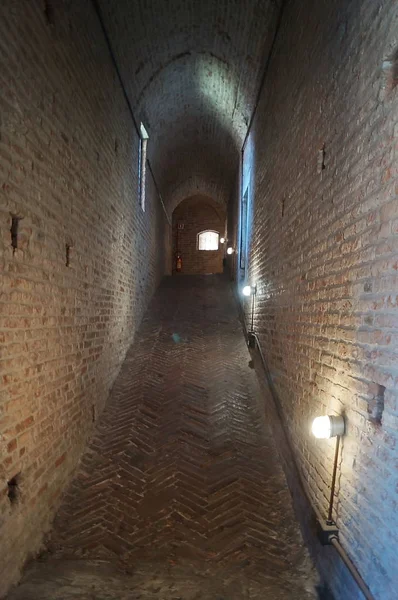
pixel 251 339
pixel 326 530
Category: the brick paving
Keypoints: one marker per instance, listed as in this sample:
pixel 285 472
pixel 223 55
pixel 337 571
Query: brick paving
pixel 180 493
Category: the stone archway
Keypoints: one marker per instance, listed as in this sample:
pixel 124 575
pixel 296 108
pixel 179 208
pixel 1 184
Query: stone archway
pixel 191 217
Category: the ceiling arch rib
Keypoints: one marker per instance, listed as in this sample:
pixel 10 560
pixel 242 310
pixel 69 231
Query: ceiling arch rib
pixel 200 162
pixel 192 71
pixel 197 185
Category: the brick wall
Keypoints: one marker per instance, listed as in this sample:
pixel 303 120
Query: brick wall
pixel 198 214
pixel 321 169
pixel 68 168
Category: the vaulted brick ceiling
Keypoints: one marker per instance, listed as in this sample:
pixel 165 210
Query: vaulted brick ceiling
pixel 192 69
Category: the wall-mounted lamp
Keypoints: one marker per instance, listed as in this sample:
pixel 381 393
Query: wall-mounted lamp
pixel 249 290
pixel 325 428
pixel 222 240
pixel 230 250
pixel 328 426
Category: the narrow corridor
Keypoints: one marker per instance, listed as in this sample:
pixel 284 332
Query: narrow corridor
pixel 180 493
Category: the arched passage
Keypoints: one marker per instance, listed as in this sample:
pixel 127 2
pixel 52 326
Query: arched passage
pixel 282 113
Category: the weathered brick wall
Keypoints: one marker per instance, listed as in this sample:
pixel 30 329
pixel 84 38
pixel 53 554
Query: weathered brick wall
pixel 68 168
pixel 324 254
pixel 198 214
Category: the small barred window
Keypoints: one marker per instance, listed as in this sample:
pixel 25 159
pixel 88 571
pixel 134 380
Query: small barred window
pixel 208 240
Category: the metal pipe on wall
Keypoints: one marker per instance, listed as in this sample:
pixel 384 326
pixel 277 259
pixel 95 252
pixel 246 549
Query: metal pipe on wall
pixel 332 488
pixel 352 569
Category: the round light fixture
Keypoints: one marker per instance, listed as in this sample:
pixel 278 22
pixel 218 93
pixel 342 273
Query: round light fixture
pixel 328 426
pixel 222 240
pixel 249 290
pixel 230 250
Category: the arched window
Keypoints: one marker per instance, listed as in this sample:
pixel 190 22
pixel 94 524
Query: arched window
pixel 208 240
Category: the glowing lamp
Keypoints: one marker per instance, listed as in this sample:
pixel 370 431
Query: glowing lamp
pixel 328 426
pixel 249 290
pixel 230 250
pixel 222 240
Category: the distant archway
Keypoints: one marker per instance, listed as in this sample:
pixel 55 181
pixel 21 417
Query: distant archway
pixel 198 225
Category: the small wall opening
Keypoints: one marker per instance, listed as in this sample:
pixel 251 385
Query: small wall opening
pixel 68 249
pixel 394 70
pixel 390 73
pixel 376 403
pixel 321 159
pixel 49 11
pixel 14 231
pixel 13 491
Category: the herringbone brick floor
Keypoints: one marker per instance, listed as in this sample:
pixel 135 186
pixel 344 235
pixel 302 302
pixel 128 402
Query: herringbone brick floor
pixel 180 494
